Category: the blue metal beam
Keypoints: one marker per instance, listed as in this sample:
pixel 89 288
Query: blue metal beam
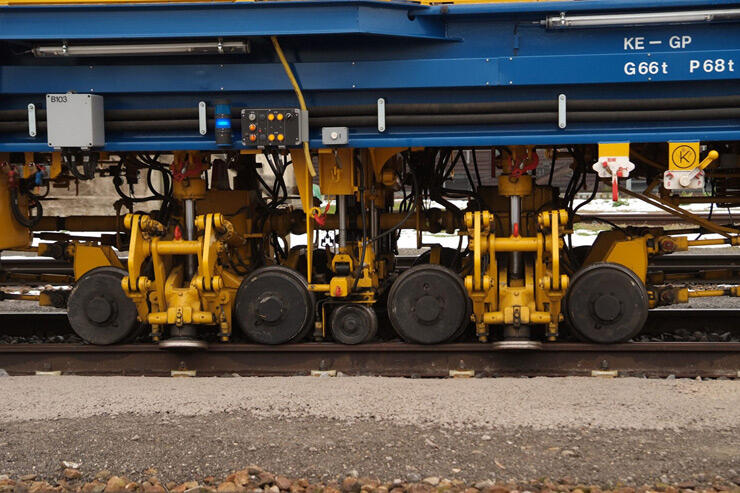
pixel 213 20
pixel 433 138
pixel 364 75
pixel 439 54
pixel 545 7
pixel 462 72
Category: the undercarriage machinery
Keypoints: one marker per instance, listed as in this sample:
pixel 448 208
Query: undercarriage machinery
pixel 350 170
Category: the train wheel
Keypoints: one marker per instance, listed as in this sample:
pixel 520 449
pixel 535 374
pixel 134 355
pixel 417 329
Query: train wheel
pixel 353 324
pixel 428 304
pixel 448 257
pixel 274 306
pixel 606 303
pixel 98 310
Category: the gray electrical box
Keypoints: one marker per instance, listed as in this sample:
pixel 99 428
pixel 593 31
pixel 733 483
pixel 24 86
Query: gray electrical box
pixel 75 120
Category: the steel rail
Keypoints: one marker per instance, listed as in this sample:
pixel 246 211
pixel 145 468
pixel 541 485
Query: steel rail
pixel 387 359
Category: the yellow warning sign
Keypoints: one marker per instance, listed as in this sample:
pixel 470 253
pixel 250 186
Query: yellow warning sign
pixel 683 155
pixel 614 150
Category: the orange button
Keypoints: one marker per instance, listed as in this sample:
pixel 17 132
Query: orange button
pixel 280 116
pixel 252 127
pixel 281 137
pixel 271 117
pixel 252 137
pixel 271 137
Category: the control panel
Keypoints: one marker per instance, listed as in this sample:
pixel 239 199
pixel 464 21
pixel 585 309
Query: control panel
pixel 278 127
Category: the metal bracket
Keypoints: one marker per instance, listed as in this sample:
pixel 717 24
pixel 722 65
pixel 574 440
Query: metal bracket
pixel 304 125
pixel 562 110
pixel 381 115
pixel 32 120
pixel 202 120
pixel 334 135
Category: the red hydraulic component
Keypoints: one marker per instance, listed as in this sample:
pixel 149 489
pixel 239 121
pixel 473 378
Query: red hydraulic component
pixel 188 167
pixel 528 163
pixel 12 177
pixel 320 218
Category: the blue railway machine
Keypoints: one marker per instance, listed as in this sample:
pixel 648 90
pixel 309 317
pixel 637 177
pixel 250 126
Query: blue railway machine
pixel 290 148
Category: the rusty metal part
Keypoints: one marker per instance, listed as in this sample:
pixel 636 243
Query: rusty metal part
pixel 390 359
pixel 651 218
pixel 668 263
pixel 110 223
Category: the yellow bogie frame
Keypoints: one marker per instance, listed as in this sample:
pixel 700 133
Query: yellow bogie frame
pixel 534 299
pixel 163 300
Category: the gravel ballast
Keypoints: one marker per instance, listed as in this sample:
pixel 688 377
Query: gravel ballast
pixel 539 403
pixel 601 431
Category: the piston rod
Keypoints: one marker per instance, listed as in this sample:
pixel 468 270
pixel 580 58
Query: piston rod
pixel 190 234
pixel 515 257
pixel 342 210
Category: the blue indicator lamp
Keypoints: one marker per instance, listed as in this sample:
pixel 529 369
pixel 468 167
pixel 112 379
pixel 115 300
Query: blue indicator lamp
pixel 223 123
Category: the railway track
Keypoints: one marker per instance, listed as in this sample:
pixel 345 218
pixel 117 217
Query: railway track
pixel 658 359
pixel 386 359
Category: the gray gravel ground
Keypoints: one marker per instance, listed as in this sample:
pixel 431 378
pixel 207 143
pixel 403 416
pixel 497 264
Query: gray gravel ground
pixel 541 403
pixel 591 430
pixel 25 306
pixel 720 302
pixel 194 447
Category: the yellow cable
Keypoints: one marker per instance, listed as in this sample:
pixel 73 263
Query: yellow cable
pixel 301 101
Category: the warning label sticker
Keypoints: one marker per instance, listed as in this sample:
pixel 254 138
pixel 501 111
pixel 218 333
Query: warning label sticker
pixel 683 155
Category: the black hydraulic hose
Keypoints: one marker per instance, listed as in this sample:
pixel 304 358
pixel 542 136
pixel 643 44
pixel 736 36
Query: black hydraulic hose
pixel 363 214
pixel 506 118
pixel 432 120
pixel 527 106
pixel 447 173
pixel 405 218
pixel 132 200
pixel 552 166
pixel 273 160
pixel 588 200
pixel 547 106
pixel 114 115
pixel 475 167
pixel 166 183
pixel 641 115
pixel 70 161
pixel 30 221
pixel 467 171
pixel 124 126
pixel 658 115
pixel 426 119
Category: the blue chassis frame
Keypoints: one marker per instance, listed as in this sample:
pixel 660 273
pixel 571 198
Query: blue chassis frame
pixel 347 52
